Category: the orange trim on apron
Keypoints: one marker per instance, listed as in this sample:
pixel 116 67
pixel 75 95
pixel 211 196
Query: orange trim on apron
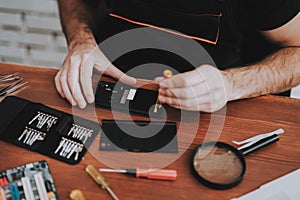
pixel 170 31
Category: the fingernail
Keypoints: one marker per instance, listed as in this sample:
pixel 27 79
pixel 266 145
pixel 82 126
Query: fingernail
pixel 72 102
pixel 90 99
pixel 82 105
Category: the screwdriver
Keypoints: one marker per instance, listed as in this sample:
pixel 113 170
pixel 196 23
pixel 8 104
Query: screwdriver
pixel 99 179
pixel 162 174
pixel 167 74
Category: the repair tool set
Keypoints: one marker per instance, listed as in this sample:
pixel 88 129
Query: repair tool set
pixel 45 130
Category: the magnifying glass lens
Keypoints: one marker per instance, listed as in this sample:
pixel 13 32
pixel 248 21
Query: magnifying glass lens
pixel 218 165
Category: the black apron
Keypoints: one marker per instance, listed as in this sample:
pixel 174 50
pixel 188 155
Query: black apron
pixel 214 24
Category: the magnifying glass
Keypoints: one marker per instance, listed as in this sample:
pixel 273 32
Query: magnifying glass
pixel 221 166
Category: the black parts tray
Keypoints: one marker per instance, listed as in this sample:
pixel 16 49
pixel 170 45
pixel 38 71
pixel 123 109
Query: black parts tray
pixel 45 130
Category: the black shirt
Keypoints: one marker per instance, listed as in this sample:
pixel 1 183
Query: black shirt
pixel 198 18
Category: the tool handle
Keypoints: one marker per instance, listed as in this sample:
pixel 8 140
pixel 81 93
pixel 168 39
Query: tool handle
pixel 162 174
pixel 76 195
pixel 97 177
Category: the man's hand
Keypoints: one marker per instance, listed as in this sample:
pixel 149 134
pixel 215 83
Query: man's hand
pixel 74 80
pixel 203 89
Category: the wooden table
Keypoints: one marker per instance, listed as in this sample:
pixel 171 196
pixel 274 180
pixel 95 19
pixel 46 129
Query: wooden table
pixel 242 119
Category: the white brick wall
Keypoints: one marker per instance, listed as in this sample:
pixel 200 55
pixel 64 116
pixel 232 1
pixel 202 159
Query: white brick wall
pixel 30 33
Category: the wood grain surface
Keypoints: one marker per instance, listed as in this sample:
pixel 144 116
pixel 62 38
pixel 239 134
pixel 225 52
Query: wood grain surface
pixel 239 120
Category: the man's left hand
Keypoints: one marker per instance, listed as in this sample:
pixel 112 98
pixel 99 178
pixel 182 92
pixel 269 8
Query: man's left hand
pixel 204 89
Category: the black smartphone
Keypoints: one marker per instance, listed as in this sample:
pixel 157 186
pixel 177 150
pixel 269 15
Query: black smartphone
pixel 124 97
pixel 139 136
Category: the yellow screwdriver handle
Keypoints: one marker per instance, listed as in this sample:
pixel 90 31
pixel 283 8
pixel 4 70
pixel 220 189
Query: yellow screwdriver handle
pixel 98 178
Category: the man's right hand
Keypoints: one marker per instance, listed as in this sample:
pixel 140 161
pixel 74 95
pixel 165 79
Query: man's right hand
pixel 74 80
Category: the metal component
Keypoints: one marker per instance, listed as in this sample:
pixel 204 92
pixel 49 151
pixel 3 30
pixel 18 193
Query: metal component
pixel 13 86
pixel 99 179
pixel 10 79
pixel 31 136
pixel 60 145
pixel 13 89
pixel 80 132
pixel 67 148
pixel 51 122
pixel 7 87
pixel 158 174
pixel 113 170
pixel 78 149
pixel 112 194
pixel 44 119
pixel 4 77
pixel 167 74
pixel 257 138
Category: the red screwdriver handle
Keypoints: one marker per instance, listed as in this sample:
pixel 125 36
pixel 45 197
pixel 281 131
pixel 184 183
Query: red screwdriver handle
pixel 162 174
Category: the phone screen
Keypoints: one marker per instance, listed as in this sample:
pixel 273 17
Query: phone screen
pixel 139 136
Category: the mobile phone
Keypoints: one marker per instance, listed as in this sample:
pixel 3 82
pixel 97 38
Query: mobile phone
pixel 119 96
pixel 139 136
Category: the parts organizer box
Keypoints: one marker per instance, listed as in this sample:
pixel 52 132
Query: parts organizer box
pixel 42 129
pixel 30 181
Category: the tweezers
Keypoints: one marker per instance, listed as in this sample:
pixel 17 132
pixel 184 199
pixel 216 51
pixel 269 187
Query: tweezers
pixel 12 87
pixel 9 77
pixel 254 139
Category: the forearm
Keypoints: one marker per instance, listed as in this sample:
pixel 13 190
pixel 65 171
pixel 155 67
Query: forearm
pixel 278 72
pixel 76 21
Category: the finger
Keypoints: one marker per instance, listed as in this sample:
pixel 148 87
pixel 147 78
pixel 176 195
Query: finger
pixel 184 80
pixel 116 74
pixel 206 107
pixel 73 80
pixel 57 84
pixel 103 65
pixel 78 96
pixel 186 93
pixel 86 72
pixel 205 103
pixel 187 103
pixel 65 88
pixel 202 108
